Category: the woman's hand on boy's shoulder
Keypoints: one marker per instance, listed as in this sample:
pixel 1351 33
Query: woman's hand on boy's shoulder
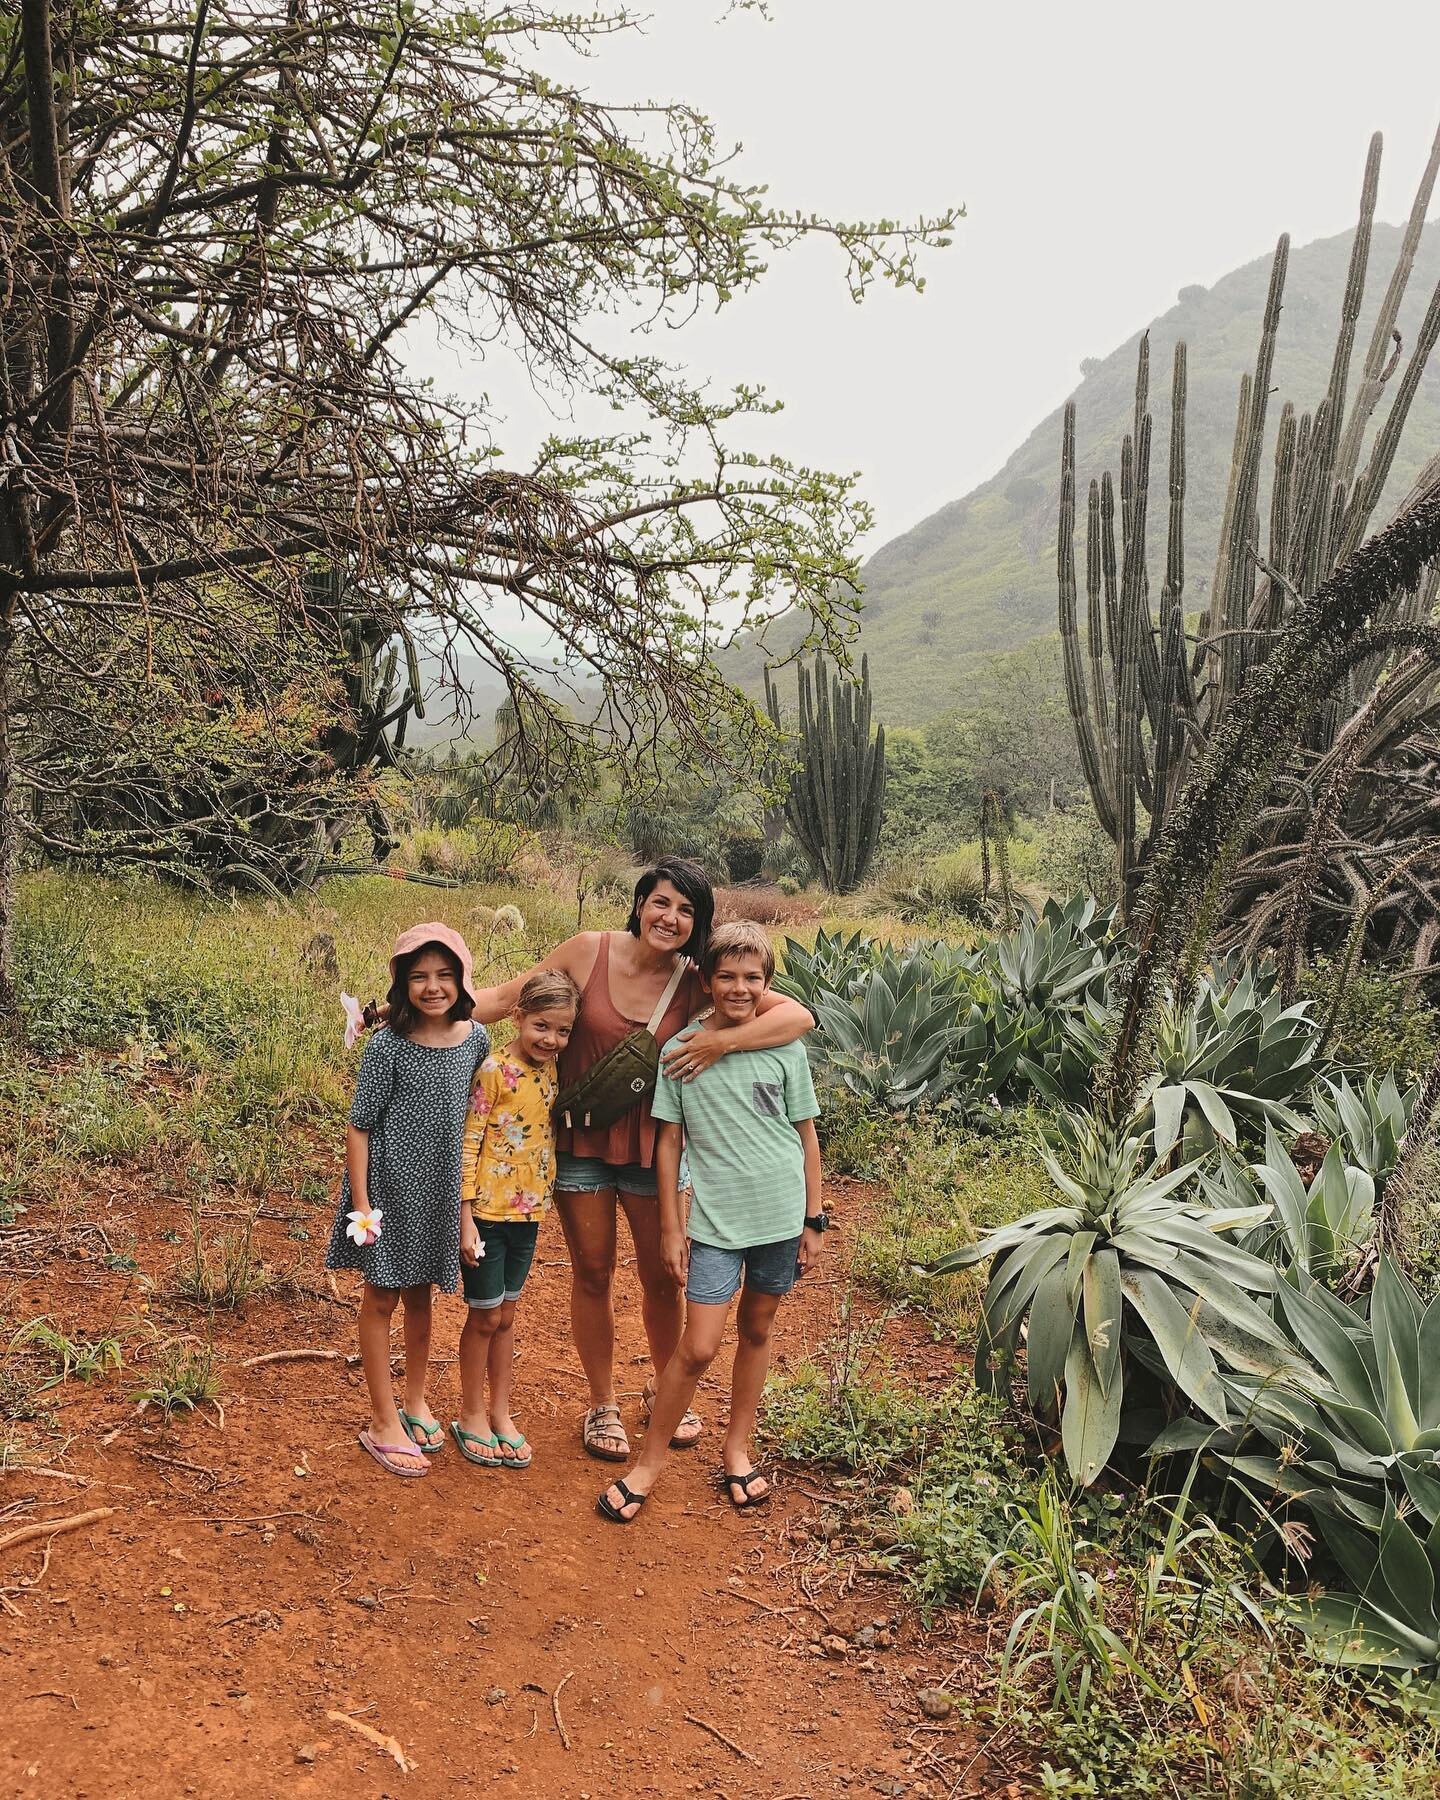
pixel 697 1051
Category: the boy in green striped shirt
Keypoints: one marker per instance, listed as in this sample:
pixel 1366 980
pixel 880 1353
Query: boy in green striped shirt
pixel 748 1131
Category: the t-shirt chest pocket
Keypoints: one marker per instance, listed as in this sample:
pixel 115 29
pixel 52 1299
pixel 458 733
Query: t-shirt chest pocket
pixel 768 1099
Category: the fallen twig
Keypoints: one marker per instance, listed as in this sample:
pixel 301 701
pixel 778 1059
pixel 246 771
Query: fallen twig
pixel 716 1733
pixel 54 1694
pixel 50 1474
pixel 389 1745
pixel 288 1356
pixel 555 1708
pixel 178 1462
pixel 52 1527
pixel 780 1612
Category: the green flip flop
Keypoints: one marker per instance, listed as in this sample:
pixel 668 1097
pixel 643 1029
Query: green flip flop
pixel 514 1443
pixel 428 1437
pixel 488 1441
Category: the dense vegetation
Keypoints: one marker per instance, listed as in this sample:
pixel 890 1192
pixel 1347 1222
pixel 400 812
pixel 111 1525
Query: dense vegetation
pixel 1253 1456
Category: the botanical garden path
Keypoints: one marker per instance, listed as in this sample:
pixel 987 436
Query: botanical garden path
pixel 264 1611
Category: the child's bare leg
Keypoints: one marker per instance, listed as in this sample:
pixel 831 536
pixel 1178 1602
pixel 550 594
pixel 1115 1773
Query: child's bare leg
pixel 417 1352
pixel 704 1328
pixel 500 1368
pixel 481 1326
pixel 376 1307
pixel 753 1322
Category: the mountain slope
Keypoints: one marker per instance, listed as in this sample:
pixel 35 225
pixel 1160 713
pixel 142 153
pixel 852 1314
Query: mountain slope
pixel 979 575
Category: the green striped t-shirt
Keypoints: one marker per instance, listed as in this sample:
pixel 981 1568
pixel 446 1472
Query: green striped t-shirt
pixel 747 1164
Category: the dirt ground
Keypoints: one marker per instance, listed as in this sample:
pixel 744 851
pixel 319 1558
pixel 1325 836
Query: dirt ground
pixel 263 1610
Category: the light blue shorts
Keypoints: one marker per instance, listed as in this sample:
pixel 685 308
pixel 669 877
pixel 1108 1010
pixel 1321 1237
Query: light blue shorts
pixel 715 1274
pixel 588 1175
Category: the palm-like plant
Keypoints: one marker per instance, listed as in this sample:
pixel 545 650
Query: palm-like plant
pixel 1237 1050
pixel 1123 1264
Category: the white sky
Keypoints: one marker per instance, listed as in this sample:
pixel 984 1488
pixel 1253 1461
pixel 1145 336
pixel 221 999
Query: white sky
pixel 1107 154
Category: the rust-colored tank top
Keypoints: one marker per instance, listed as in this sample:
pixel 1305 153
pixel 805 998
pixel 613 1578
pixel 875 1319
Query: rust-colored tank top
pixel 599 1028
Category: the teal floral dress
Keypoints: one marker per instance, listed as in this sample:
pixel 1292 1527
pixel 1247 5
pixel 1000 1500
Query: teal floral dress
pixel 412 1099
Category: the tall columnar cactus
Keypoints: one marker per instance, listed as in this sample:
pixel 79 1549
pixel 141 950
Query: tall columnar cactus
pixel 1147 697
pixel 837 790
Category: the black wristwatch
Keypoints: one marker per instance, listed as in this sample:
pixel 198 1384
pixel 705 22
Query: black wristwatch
pixel 820 1222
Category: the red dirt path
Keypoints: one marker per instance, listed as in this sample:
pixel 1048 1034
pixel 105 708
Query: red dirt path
pixel 195 1641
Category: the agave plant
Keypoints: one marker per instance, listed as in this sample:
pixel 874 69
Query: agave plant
pixel 1369 1121
pixel 834 965
pixel 1048 962
pixel 1314 1230
pixel 1354 1422
pixel 1392 1621
pixel 1123 1264
pixel 1236 1050
pixel 890 1041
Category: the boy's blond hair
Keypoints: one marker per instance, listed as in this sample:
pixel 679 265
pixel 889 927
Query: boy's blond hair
pixel 547 988
pixel 742 938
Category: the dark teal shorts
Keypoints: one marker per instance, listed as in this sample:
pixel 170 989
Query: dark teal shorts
pixel 509 1246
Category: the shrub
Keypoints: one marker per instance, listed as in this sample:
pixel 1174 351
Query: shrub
pixel 1377 1025
pixel 763 905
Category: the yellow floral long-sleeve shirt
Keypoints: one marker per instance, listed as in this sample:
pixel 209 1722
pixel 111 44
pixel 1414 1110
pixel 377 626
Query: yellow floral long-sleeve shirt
pixel 507 1165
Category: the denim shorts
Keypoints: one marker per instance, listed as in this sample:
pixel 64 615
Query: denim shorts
pixel 715 1274
pixel 509 1246
pixel 588 1175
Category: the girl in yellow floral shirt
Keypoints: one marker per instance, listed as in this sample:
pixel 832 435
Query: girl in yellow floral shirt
pixel 507 1173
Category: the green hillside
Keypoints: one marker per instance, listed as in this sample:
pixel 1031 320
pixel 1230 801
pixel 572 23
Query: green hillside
pixel 978 576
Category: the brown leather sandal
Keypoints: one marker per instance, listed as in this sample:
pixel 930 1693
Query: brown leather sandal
pixel 603 1434
pixel 687 1432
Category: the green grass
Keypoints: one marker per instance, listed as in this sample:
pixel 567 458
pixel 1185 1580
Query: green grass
pixel 184 1377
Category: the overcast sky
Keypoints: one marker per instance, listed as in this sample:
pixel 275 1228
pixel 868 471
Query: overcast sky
pixel 1107 154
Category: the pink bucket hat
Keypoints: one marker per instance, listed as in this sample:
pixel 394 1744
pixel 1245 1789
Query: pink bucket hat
pixel 435 933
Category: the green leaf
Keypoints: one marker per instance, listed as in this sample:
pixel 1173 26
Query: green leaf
pixel 1090 1421
pixel 1168 1103
pixel 1103 1301
pixel 1178 1340
pixel 1047 1343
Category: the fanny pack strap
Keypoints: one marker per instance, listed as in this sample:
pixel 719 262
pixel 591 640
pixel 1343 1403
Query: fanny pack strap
pixel 664 1006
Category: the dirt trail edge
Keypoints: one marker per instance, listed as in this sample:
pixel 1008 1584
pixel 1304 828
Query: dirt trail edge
pixel 265 1611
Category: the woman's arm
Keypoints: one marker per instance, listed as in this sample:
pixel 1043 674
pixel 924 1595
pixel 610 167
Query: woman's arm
pixel 778 1020
pixel 495 1003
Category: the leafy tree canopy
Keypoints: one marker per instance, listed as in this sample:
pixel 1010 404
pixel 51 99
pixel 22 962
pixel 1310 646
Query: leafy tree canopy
pixel 216 227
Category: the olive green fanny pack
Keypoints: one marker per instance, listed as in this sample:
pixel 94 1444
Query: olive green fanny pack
pixel 622 1077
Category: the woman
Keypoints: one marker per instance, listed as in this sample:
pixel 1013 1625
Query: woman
pixel 622 976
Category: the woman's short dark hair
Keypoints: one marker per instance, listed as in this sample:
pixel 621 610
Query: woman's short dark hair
pixel 687 878
pixel 403 1017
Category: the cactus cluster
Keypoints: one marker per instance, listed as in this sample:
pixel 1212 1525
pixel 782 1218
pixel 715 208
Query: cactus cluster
pixel 837 790
pixel 1147 696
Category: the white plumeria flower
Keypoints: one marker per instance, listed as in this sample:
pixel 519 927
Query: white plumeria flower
pixel 354 1020
pixel 364 1226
